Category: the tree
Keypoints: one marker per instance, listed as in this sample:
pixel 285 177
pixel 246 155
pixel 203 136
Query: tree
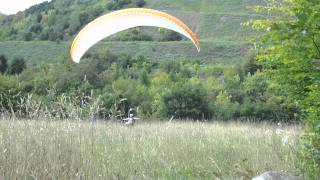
pixel 144 79
pixel 289 50
pixel 186 102
pixel 3 64
pixel 74 23
pixel 140 3
pixel 39 18
pixel 35 28
pixel 9 94
pixel 84 18
pixel 117 4
pixel 17 66
pixel 27 36
pixel 250 65
pixel 224 107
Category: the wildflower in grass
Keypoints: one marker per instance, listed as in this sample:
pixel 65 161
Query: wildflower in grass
pixel 279 131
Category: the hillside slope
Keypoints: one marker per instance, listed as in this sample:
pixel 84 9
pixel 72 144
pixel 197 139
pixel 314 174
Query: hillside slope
pixel 61 20
pixel 212 52
pixel 217 23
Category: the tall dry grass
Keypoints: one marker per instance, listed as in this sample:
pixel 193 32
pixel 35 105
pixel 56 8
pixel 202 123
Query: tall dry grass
pixel 101 150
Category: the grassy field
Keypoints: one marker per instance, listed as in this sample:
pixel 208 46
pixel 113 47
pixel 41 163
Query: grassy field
pixel 207 6
pixel 99 150
pixel 211 52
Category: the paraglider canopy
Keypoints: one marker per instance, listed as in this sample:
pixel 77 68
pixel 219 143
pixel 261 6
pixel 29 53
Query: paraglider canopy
pixel 117 21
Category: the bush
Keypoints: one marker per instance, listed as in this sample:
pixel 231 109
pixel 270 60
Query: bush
pixel 187 102
pixel 167 35
pixel 250 65
pixel 9 94
pixel 117 4
pixel 3 64
pixel 140 3
pixel 224 108
pixel 134 34
pixel 17 66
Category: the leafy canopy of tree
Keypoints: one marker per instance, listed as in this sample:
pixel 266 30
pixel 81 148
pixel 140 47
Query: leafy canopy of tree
pixel 3 64
pixel 289 50
pixel 187 101
pixel 17 65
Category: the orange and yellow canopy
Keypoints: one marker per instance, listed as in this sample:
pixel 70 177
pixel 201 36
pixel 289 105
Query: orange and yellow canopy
pixel 117 21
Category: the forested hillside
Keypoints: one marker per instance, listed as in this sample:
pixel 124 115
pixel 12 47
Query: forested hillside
pixel 155 70
pixel 217 23
pixel 61 20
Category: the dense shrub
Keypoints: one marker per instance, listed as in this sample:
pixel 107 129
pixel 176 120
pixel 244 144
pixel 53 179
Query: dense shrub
pixel 134 34
pixel 3 64
pixel 140 3
pixel 10 94
pixel 224 108
pixel 117 4
pixel 186 102
pixel 181 89
pixel 168 35
pixel 17 65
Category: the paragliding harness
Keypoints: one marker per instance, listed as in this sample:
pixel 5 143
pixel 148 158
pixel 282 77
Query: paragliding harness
pixel 130 120
pixel 122 112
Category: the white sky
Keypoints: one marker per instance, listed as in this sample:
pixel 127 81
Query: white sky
pixel 13 6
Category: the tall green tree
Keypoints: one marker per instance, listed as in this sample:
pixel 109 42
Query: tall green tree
pixel 289 49
pixel 3 64
pixel 187 101
pixel 17 66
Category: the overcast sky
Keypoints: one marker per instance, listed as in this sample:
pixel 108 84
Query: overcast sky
pixel 13 6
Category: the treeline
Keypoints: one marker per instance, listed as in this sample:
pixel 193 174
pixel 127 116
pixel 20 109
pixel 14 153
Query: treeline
pixel 61 20
pixel 105 86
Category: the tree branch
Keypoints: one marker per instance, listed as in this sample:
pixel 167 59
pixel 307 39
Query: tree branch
pixel 316 45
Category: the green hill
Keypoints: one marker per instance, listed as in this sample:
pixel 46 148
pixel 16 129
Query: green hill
pixel 217 22
pixel 61 20
pixel 212 52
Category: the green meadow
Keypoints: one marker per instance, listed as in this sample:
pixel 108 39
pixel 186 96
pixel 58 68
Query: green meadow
pixel 45 149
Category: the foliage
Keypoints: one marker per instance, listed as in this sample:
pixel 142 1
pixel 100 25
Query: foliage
pixel 167 35
pixel 250 65
pixel 182 89
pixel 61 18
pixel 9 95
pixel 186 102
pixel 117 4
pixel 17 65
pixel 289 49
pixel 57 20
pixel 224 108
pixel 134 34
pixel 3 64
